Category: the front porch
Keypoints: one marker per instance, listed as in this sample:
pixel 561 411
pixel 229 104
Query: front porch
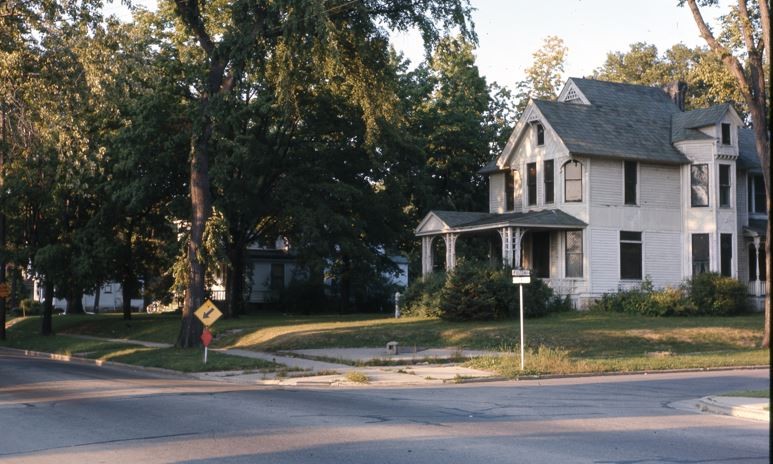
pixel 754 235
pixel 521 240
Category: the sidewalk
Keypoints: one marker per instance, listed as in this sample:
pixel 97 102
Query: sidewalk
pixel 736 406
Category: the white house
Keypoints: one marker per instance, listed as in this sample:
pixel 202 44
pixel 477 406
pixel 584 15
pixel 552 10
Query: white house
pixel 613 183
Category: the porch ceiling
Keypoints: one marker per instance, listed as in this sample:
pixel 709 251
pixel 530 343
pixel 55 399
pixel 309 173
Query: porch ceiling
pixel 545 219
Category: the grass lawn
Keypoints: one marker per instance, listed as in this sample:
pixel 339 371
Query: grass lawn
pixel 749 393
pixel 561 343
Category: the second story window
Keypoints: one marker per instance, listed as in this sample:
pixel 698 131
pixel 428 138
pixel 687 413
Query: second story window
pixel 573 181
pixel 699 185
pixel 724 185
pixel 630 182
pixel 548 175
pixel 509 190
pixel 726 134
pixel 531 183
pixel 540 135
pixel 756 194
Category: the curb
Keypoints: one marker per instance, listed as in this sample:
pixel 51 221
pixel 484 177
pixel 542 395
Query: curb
pixel 94 362
pixel 711 405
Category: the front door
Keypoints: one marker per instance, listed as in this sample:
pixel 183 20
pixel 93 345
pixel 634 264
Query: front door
pixel 540 254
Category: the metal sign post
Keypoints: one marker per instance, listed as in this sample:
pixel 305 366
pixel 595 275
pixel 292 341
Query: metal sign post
pixel 521 277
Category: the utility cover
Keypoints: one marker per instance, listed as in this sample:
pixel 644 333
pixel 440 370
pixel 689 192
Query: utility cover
pixel 208 313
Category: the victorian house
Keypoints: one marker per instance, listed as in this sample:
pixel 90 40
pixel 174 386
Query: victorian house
pixel 614 183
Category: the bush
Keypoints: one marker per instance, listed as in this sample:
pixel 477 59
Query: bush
pixel 709 294
pixel 30 307
pixel 717 295
pixel 475 291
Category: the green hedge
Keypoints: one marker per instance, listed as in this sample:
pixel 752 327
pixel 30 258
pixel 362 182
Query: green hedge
pixel 475 291
pixel 704 294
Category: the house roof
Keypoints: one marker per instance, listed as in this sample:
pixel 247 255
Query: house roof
pixel 636 128
pixel 490 167
pixel 756 228
pixel 461 221
pixel 747 150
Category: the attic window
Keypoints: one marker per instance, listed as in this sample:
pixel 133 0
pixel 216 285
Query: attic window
pixel 540 135
pixel 572 97
pixel 725 134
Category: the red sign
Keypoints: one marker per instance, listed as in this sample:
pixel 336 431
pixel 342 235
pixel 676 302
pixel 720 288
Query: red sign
pixel 206 337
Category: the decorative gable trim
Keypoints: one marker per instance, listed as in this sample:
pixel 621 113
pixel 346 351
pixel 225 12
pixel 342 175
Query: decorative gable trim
pixel 572 94
pixel 431 223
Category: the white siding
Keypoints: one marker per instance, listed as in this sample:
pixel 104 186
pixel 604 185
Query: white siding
pixel 604 260
pixel 741 251
pixel 662 258
pixel 496 193
pixel 606 183
pixel 659 186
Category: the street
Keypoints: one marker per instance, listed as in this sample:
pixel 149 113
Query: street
pixel 59 412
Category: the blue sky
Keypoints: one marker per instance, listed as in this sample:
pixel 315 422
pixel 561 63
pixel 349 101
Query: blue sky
pixel 509 31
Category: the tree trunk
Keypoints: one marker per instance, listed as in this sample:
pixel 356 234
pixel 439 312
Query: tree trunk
pixel 75 303
pixel 235 282
pixel 127 290
pixel 96 299
pixel 191 328
pixel 2 227
pixel 47 327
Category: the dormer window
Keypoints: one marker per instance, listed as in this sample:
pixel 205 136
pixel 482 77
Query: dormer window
pixel 540 135
pixel 726 134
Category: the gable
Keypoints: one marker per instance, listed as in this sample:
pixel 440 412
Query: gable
pixel 515 144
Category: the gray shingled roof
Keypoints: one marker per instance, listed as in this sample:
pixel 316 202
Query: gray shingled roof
pixel 684 125
pixel 637 128
pixel 747 150
pixel 551 218
pixel 490 167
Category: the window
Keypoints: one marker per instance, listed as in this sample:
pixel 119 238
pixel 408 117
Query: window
pixel 724 185
pixel 573 181
pixel 700 253
pixel 726 254
pixel 725 134
pixel 630 182
pixel 630 255
pixel 574 253
pixel 699 185
pixel 509 190
pixel 756 194
pixel 531 183
pixel 753 254
pixel 277 276
pixel 540 135
pixel 547 173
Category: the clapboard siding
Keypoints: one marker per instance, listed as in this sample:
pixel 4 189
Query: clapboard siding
pixel 604 261
pixel 497 193
pixel 662 257
pixel 659 186
pixel 606 183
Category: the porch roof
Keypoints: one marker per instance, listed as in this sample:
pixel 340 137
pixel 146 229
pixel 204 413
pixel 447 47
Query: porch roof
pixel 756 228
pixel 437 222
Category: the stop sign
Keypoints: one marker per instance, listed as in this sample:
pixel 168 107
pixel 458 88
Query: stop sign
pixel 206 337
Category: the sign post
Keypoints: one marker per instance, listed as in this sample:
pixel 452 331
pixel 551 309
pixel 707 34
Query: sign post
pixel 521 277
pixel 207 314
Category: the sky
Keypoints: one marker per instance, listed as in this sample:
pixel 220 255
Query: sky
pixel 510 31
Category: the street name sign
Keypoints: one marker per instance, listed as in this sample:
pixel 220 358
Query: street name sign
pixel 521 276
pixel 208 313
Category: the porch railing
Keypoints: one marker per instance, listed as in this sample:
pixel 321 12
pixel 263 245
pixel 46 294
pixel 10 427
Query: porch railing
pixel 758 288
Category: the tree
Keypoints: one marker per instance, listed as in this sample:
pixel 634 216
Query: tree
pixel 745 49
pixel 338 36
pixel 545 76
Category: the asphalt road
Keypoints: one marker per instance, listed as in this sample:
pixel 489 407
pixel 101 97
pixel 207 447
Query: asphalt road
pixel 55 412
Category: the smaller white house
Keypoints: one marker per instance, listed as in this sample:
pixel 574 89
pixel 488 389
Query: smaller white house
pixel 110 298
pixel 614 183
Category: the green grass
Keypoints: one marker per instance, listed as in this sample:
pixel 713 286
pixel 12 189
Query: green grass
pixel 356 377
pixel 749 393
pixel 581 341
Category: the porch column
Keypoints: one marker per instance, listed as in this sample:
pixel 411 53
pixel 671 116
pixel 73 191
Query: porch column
pixel 517 237
pixel 506 233
pixel 426 255
pixel 450 240
pixel 757 284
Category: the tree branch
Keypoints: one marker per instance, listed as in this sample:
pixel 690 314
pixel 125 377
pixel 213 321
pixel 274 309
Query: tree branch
pixel 746 27
pixel 730 61
pixel 188 10
pixel 765 22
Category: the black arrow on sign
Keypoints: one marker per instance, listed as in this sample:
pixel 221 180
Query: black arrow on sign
pixel 207 313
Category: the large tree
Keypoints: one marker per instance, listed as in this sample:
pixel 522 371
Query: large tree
pixel 338 36
pixel 545 76
pixel 744 47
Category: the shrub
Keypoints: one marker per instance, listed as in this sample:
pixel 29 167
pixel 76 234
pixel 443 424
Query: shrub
pixel 30 307
pixel 717 295
pixel 475 291
pixel 422 297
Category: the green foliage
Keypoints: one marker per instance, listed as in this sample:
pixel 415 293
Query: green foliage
pixel 29 307
pixel 544 77
pixel 705 294
pixel 475 291
pixel 717 295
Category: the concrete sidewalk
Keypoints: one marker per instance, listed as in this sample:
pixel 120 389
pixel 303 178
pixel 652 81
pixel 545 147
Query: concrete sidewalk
pixel 736 406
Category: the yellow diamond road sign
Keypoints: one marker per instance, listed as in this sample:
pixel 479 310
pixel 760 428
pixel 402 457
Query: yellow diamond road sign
pixel 208 313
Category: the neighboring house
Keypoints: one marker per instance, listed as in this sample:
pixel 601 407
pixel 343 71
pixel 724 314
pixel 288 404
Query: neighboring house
pixel 110 298
pixel 613 183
